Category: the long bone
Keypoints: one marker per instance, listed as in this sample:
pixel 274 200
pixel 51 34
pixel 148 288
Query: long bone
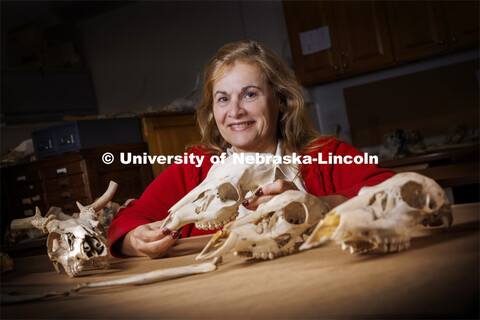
pixel 215 202
pixel 74 243
pixel 155 276
pixel 144 278
pixel 384 216
pixel 274 229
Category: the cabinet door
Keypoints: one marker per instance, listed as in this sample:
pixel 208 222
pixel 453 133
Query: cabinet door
pixel 363 34
pixel 417 28
pixel 462 23
pixel 303 16
pixel 169 135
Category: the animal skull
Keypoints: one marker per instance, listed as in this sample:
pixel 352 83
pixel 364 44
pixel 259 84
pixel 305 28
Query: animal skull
pixel 384 216
pixel 273 230
pixel 215 201
pixel 75 243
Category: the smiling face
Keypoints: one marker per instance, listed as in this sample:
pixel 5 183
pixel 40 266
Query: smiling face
pixel 245 109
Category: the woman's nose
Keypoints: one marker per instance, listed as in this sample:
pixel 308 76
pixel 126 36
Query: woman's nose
pixel 235 109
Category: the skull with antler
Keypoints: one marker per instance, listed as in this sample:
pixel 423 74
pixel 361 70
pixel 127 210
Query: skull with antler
pixel 215 201
pixel 276 228
pixel 384 216
pixel 75 243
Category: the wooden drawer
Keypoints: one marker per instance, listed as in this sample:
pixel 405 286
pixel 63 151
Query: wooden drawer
pixel 72 193
pixel 64 182
pixel 18 176
pixel 62 169
pixel 25 189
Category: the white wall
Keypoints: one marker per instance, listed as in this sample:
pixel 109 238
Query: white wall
pixel 148 53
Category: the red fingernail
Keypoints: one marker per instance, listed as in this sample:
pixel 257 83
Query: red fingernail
pixel 245 203
pixel 175 234
pixel 165 231
pixel 259 193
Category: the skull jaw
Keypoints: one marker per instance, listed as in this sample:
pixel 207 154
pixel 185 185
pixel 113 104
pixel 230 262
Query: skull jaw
pixel 224 242
pixel 208 220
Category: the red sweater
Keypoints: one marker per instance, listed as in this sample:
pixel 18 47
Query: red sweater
pixel 177 180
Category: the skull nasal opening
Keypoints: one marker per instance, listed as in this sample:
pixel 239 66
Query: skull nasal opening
pixel 295 213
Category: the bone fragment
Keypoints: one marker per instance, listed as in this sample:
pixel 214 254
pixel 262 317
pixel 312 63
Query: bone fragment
pixel 103 200
pixel 155 276
pixel 37 221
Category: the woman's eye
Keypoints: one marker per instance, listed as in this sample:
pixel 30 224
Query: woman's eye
pixel 222 99
pixel 250 95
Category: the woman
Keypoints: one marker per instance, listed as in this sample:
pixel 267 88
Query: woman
pixel 251 103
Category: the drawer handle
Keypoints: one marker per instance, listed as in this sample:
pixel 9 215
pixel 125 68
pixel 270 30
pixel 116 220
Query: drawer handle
pixel 66 194
pixel 67 140
pixel 36 198
pixel 28 212
pixel 21 178
pixel 45 145
pixel 26 201
pixel 62 170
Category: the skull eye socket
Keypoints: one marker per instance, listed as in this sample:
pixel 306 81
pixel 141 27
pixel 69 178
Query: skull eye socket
pixel 295 213
pixel 228 192
pixel 414 195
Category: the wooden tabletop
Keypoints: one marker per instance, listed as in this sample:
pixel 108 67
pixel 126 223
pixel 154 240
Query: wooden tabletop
pixel 438 277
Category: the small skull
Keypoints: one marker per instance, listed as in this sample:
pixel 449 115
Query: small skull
pixel 384 216
pixel 274 229
pixel 215 202
pixel 74 242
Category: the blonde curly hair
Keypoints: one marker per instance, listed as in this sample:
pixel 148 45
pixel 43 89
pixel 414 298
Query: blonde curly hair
pixel 295 128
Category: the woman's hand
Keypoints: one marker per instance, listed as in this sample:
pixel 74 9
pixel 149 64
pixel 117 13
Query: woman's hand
pixel 268 192
pixel 272 189
pixel 149 240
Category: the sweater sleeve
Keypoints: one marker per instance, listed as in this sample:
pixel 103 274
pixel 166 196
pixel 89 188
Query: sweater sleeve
pixel 168 188
pixel 348 179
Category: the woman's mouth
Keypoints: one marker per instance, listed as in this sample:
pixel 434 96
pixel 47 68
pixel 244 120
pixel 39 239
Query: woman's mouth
pixel 238 126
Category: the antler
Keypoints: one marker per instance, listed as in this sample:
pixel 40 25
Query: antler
pixel 102 201
pixel 37 221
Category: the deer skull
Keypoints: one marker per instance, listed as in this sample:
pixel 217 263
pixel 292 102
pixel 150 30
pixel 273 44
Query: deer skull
pixel 384 216
pixel 75 243
pixel 215 201
pixel 273 230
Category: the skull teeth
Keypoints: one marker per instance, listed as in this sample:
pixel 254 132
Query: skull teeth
pixel 264 255
pixel 385 245
pixel 212 225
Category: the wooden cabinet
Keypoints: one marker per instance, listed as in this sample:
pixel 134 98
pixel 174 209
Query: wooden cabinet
pixel 358 35
pixel 462 18
pixel 302 16
pixel 363 35
pixel 368 35
pixel 169 133
pixel 417 28
pixel 77 176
